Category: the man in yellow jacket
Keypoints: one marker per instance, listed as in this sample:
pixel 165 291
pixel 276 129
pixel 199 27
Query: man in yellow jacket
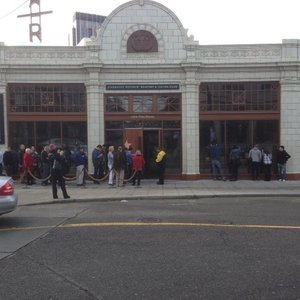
pixel 161 164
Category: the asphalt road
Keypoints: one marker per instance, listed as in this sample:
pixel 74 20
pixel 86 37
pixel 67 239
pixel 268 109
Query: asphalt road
pixel 245 248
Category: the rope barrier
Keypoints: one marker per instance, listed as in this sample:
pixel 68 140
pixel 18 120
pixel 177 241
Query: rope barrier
pixel 75 177
pixel 36 178
pixel 97 179
pixel 132 176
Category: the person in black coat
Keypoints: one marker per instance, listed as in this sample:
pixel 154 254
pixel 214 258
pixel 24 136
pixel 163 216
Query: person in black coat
pixel 282 158
pixel 58 166
pixel 9 162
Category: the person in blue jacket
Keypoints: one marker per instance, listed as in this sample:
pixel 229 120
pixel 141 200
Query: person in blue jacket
pixel 80 161
pixel 215 151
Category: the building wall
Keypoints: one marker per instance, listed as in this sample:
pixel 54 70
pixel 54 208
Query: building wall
pixel 179 60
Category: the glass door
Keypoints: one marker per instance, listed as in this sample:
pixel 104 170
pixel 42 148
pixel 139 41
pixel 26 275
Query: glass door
pixel 150 142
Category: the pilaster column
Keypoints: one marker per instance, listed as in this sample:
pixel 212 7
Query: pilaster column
pixel 95 115
pixel 3 122
pixel 190 125
pixel 290 122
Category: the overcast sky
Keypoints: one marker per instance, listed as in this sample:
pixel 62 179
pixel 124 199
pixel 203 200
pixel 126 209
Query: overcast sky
pixel 210 21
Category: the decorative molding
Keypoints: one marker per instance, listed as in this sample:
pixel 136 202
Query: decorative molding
pixel 214 52
pixel 26 54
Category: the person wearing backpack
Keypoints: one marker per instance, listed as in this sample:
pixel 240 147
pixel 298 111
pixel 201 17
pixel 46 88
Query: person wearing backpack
pixel 267 164
pixel 58 165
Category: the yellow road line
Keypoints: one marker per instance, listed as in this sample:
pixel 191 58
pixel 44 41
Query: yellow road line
pixel 138 224
pixel 25 228
pixel 165 224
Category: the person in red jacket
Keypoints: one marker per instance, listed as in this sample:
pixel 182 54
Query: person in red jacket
pixel 28 164
pixel 138 164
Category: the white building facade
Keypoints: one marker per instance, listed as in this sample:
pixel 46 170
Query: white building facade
pixel 145 82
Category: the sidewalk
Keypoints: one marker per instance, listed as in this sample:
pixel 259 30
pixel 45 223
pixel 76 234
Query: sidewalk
pixel 173 189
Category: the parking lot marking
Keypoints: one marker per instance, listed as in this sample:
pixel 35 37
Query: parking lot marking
pixel 158 224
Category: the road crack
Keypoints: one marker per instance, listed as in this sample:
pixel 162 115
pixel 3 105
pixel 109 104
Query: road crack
pixel 65 278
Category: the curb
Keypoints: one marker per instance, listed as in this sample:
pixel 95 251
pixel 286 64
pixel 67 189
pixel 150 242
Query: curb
pixel 166 197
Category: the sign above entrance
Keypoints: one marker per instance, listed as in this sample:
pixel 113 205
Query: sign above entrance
pixel 141 87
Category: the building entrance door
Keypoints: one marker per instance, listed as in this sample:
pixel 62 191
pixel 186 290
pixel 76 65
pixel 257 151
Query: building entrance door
pixel 146 141
pixel 134 137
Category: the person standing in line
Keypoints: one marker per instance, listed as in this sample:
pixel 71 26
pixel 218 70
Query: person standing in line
pixel 96 159
pixel 20 154
pixel 255 156
pixel 36 162
pixel 1 163
pixel 215 152
pixel 267 164
pixel 9 162
pixel 161 165
pixel 58 164
pixel 274 159
pixel 80 162
pixel 138 164
pixel 282 158
pixel 110 165
pixel 120 163
pixel 28 165
pixel 129 158
pixel 234 162
pixel 45 164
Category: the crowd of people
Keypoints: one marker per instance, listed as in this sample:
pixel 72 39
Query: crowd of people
pixel 123 165
pixel 53 164
pixel 262 162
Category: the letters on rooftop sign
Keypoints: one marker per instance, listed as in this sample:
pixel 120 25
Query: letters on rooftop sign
pixel 35 26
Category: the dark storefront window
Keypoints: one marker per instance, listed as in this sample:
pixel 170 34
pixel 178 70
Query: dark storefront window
pixel 242 133
pixel 39 134
pixel 74 134
pixel 114 124
pixel 48 98
pixel 152 124
pixel 172 145
pixel 239 96
pixel 21 133
pixel 48 133
pixel 114 137
pixel 133 124
pixel 265 133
